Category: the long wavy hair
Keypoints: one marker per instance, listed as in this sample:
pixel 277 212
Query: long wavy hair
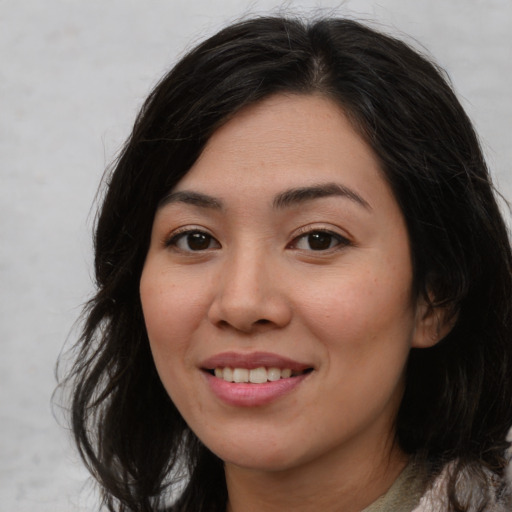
pixel 457 405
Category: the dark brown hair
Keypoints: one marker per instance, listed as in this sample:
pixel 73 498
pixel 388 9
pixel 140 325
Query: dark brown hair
pixel 457 404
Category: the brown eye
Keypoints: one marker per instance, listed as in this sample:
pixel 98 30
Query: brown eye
pixel 193 241
pixel 319 241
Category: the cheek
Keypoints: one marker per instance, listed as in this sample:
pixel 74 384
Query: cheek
pixel 366 326
pixel 172 312
pixel 366 314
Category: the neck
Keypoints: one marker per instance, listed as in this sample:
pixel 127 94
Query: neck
pixel 347 484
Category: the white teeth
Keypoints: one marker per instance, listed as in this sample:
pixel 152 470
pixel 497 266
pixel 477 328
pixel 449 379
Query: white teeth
pixel 258 375
pixel 255 375
pixel 240 375
pixel 273 374
pixel 227 374
pixel 286 373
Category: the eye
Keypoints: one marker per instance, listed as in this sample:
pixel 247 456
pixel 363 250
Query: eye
pixel 193 241
pixel 319 241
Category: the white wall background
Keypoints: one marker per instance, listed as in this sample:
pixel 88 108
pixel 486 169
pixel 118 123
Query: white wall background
pixel 72 75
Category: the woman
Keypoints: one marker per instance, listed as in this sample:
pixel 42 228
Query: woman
pixel 303 287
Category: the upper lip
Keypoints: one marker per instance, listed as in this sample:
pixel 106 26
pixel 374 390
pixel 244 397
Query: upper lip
pixel 252 360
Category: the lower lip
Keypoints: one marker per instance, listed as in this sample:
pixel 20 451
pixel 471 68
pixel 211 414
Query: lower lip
pixel 252 395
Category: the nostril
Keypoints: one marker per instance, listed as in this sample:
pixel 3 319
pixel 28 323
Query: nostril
pixel 262 321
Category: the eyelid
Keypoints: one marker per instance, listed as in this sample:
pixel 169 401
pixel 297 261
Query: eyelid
pixel 172 238
pixel 343 240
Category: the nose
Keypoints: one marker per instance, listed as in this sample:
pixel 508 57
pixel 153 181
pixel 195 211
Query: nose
pixel 250 295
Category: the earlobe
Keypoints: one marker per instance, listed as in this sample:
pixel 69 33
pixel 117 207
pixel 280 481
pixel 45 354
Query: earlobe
pixel 432 324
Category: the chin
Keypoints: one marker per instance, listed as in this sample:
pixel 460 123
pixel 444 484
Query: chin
pixel 262 462
pixel 251 455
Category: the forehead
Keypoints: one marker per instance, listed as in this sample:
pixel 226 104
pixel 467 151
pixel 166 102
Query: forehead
pixel 284 126
pixel 283 142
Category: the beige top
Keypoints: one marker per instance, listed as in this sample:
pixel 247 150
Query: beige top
pixel 410 493
pixel 405 493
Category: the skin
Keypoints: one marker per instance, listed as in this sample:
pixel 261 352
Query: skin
pixel 255 282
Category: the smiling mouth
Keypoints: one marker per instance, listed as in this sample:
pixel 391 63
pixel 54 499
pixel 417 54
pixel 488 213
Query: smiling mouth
pixel 259 375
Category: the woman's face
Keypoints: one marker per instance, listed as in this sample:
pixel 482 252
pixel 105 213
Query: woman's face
pixel 283 258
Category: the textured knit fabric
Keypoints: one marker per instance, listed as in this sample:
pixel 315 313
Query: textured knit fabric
pixel 493 498
pixel 409 494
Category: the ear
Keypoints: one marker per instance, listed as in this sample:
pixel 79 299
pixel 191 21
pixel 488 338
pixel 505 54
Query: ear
pixel 433 323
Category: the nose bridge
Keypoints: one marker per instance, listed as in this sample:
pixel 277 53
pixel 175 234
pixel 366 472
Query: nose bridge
pixel 245 270
pixel 248 292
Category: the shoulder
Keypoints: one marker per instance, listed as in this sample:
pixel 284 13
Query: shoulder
pixel 492 496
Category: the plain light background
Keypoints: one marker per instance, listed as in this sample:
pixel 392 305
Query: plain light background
pixel 72 76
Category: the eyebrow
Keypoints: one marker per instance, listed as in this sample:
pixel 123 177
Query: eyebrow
pixel 285 199
pixel 302 194
pixel 193 198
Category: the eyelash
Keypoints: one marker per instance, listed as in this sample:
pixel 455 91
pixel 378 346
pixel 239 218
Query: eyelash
pixel 341 241
pixel 208 239
pixel 175 238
